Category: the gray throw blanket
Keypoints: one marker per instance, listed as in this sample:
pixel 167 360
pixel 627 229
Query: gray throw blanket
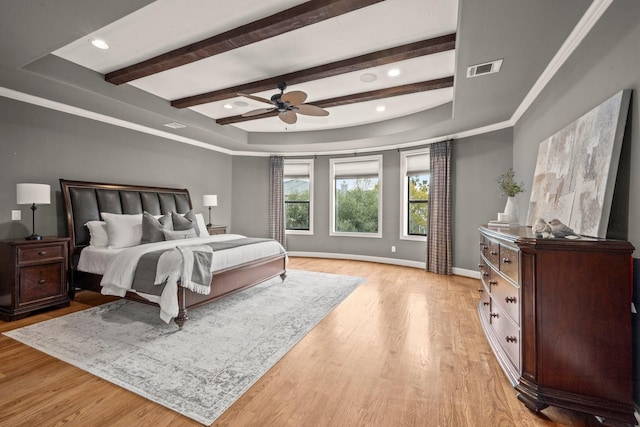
pixel 145 275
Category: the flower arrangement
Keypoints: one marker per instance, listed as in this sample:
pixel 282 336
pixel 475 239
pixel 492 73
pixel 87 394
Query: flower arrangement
pixel 508 185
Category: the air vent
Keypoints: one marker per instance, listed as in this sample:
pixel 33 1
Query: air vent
pixel 175 125
pixel 486 68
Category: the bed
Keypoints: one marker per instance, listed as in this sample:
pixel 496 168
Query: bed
pixel 85 202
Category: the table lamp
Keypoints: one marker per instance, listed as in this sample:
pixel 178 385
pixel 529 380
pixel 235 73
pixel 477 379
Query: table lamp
pixel 32 194
pixel 210 200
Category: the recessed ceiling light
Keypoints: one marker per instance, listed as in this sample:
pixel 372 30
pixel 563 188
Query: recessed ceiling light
pixel 100 44
pixel 368 78
pixel 175 125
pixel 394 72
pixel 228 106
pixel 241 104
pixel 380 108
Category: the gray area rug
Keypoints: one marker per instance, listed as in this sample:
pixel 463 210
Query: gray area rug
pixel 224 348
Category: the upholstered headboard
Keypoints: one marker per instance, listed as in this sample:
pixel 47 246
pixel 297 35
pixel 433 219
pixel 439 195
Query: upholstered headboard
pixel 84 201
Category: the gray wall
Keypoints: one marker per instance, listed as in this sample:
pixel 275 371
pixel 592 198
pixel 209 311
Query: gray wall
pixel 41 145
pixel 606 62
pixel 477 162
pixel 250 206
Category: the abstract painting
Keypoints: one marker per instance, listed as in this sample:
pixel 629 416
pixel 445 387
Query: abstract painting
pixel 576 169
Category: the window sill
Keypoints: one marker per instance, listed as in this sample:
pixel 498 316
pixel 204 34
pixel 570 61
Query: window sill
pixel 300 232
pixel 366 235
pixel 414 238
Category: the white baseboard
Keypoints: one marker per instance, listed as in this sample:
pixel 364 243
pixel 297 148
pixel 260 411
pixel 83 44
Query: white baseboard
pixel 394 261
pixel 468 273
pixel 353 257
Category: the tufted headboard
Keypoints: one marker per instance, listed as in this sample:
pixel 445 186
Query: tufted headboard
pixel 84 201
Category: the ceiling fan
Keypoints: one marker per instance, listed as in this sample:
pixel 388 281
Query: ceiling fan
pixel 287 104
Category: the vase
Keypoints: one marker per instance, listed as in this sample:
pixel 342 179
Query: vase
pixel 511 209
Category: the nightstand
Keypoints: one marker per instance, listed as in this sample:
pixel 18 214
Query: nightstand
pixel 217 229
pixel 33 275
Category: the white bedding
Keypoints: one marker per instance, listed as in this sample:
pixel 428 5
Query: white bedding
pixel 118 265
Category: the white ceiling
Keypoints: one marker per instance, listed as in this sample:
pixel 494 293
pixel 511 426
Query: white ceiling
pixel 46 59
pixel 165 25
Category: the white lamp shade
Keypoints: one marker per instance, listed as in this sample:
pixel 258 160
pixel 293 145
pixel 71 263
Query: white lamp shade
pixel 210 200
pixel 28 194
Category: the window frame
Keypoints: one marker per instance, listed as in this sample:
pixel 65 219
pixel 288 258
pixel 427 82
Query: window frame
pixel 309 163
pixel 404 189
pixel 332 203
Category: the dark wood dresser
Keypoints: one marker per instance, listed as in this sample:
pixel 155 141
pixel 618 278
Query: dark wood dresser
pixel 33 275
pixel 557 314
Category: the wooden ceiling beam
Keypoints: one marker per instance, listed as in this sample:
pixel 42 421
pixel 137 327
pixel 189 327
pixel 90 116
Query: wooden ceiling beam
pixel 357 97
pixel 308 13
pixel 362 62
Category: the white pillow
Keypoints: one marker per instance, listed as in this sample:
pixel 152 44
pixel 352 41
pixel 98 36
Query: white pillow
pixel 98 233
pixel 201 225
pixel 123 230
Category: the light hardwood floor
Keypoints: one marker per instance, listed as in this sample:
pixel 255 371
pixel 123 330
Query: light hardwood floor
pixel 404 349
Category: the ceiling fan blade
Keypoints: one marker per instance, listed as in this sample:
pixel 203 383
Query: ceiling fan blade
pixel 255 98
pixel 288 117
pixel 257 112
pixel 295 97
pixel 311 110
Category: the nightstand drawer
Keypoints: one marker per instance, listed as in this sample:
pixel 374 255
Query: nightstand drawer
pixel 40 253
pixel 217 229
pixel 41 282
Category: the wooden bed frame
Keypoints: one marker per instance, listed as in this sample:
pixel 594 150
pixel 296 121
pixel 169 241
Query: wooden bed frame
pixel 85 200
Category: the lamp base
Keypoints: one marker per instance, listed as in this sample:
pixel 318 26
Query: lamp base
pixel 34 237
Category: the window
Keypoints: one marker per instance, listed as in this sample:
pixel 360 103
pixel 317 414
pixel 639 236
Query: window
pixel 356 196
pixel 298 194
pixel 415 190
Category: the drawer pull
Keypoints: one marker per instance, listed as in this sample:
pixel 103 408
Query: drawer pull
pixel 480 265
pixel 506 260
pixel 485 303
pixel 480 290
pixel 510 299
pixel 493 283
pixel 511 339
pixel 41 281
pixel 495 315
pixel 485 273
pixel 42 253
pixel 493 253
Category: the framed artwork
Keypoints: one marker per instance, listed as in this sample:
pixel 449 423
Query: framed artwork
pixel 576 169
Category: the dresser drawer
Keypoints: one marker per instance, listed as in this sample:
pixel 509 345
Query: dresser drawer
pixel 485 271
pixel 485 302
pixel 506 296
pixel 509 262
pixel 492 252
pixel 40 253
pixel 41 282
pixel 507 334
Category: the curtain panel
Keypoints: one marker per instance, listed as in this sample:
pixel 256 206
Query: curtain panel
pixel 276 201
pixel 439 226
